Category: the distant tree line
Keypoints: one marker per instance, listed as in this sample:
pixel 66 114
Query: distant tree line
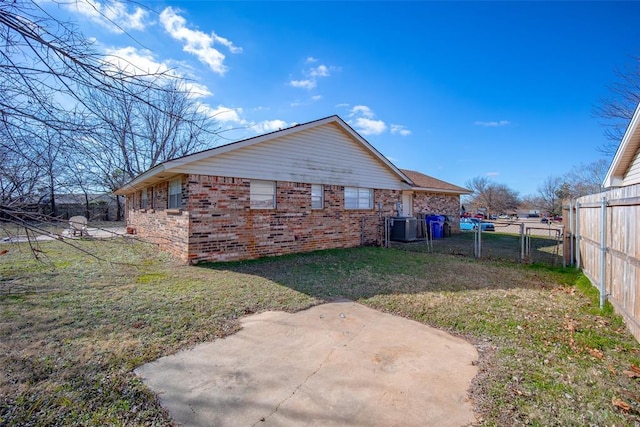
pixel 495 198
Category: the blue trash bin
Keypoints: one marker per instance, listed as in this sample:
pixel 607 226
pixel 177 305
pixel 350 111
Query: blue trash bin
pixel 435 225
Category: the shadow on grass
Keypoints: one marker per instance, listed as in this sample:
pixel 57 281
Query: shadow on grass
pixel 364 272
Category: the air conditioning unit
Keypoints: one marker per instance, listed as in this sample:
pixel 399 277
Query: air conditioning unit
pixel 404 229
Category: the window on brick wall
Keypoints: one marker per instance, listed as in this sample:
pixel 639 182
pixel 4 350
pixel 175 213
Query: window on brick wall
pixel 144 199
pixel 262 194
pixel 175 193
pixel 317 196
pixel 358 198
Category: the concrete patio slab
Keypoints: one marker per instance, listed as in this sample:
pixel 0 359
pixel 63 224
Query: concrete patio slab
pixel 334 364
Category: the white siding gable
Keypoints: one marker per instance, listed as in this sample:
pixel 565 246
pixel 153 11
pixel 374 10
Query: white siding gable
pixel 633 174
pixel 324 154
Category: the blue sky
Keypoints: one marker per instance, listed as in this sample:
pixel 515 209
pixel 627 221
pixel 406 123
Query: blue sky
pixel 455 90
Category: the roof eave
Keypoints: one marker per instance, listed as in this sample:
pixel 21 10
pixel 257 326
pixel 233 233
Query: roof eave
pixel 146 177
pixel 441 190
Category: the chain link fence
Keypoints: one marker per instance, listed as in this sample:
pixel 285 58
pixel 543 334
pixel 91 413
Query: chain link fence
pixel 523 241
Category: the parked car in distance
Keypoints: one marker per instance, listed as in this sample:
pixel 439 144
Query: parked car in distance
pixel 504 216
pixel 472 224
pixel 545 220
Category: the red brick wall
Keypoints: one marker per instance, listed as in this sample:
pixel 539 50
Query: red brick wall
pixel 439 204
pixel 168 228
pixel 217 224
pixel 223 227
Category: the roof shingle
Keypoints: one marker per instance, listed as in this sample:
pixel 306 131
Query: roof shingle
pixel 427 182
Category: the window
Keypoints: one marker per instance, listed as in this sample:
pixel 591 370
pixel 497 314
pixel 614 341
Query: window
pixel 358 198
pixel 317 196
pixel 175 193
pixel 144 199
pixel 262 194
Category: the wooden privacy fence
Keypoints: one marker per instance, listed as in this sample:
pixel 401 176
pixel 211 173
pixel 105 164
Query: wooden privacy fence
pixel 604 238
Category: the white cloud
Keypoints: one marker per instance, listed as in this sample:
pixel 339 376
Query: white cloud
pixel 269 126
pixel 226 43
pixel 142 62
pixel 366 126
pixel 492 124
pixel 312 74
pixel 114 16
pixel 319 71
pixel 224 114
pixel 197 42
pixel 400 129
pixel 493 173
pixel 232 117
pixel 316 97
pixel 196 90
pixel 361 110
pixel 136 61
pixel 363 122
pixel 305 84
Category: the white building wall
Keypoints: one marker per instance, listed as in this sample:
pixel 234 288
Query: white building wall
pixel 320 155
pixel 633 174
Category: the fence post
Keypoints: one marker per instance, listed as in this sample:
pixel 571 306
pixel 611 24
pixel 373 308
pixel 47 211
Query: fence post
pixel 578 235
pixel 522 242
pixel 477 241
pixel 571 232
pixel 603 252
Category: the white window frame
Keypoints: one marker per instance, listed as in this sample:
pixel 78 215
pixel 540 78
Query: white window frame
pixel 358 198
pixel 144 199
pixel 262 194
pixel 175 194
pixel 317 196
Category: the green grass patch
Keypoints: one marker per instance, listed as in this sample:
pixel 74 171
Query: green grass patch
pixel 74 327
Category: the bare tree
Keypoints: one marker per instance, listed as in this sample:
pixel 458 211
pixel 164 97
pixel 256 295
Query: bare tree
pixel 552 192
pixel 493 197
pixel 19 180
pixel 137 133
pixel 617 109
pixel 47 68
pixel 133 134
pixel 586 178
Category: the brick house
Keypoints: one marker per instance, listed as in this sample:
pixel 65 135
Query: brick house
pixel 317 185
